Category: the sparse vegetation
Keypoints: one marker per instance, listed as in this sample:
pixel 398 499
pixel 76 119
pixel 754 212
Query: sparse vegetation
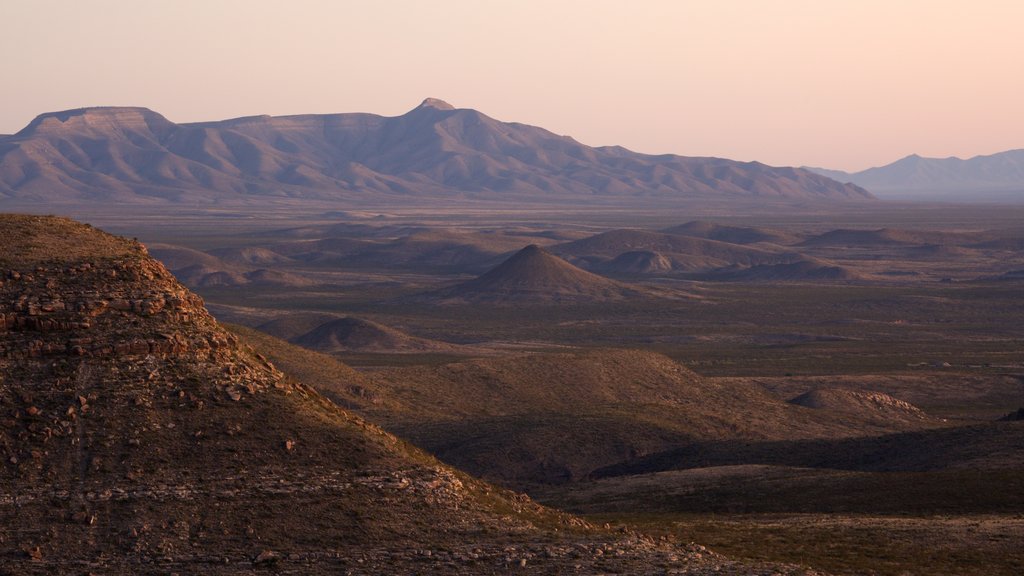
pixel 839 424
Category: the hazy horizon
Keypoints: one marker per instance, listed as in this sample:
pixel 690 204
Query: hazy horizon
pixel 835 85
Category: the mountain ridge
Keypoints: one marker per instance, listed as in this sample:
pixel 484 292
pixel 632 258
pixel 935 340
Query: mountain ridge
pixel 137 156
pixel 999 172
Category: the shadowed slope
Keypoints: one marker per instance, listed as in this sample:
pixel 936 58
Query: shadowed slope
pixel 553 418
pixel 350 334
pixel 991 446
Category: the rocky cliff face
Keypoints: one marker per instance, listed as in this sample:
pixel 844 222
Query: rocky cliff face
pixel 137 437
pixel 120 308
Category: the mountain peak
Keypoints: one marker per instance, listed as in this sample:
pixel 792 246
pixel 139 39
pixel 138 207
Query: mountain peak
pixel 532 260
pixel 535 274
pixel 436 103
pixel 532 251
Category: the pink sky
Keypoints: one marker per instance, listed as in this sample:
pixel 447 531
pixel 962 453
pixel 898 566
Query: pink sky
pixel 835 83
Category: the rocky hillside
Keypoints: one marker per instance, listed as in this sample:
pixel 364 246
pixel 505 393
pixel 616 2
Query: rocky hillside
pixel 137 437
pixel 136 156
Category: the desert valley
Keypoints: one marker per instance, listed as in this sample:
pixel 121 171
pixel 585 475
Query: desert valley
pixel 442 343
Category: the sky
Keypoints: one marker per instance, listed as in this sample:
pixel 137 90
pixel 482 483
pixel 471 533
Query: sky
pixel 844 84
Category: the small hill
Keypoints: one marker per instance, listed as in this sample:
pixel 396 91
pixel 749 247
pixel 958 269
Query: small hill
pixel 1014 416
pixel 844 237
pixel 293 325
pixel 201 277
pixel 806 269
pixel 555 418
pixel 350 334
pixel 885 237
pixel 637 262
pixel 941 252
pixel 198 269
pixel 249 256
pixel 442 249
pixel 180 257
pixel 1011 244
pixel 732 234
pixel 535 275
pixel 867 404
pixel 322 249
pixel 278 278
pixel 202 270
pixel 686 252
pixel 1011 275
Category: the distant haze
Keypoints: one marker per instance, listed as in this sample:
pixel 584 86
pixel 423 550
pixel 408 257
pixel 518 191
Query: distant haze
pixel 843 84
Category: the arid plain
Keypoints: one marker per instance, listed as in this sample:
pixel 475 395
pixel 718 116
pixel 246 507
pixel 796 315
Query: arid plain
pixel 789 387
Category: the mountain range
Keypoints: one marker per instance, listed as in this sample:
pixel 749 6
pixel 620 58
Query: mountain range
pixel 130 155
pixel 994 176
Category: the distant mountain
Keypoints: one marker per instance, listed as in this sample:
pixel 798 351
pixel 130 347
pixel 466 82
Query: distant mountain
pixel 136 156
pixel 981 175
